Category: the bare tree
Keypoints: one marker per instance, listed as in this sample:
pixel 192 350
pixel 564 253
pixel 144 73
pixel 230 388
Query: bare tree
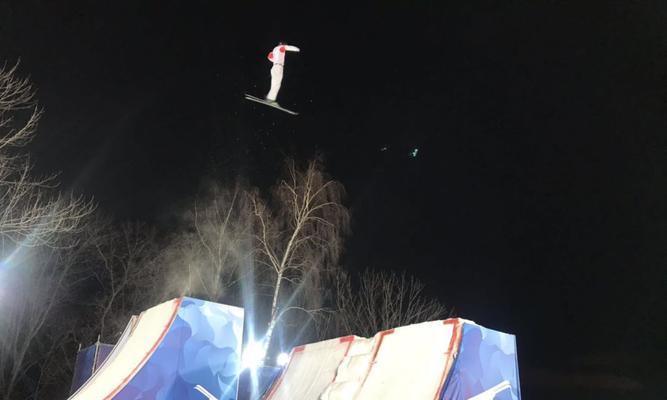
pixel 58 350
pixel 212 252
pixel 126 273
pixel 380 301
pixel 30 212
pixel 35 285
pixel 299 238
pixel 38 228
pixel 55 297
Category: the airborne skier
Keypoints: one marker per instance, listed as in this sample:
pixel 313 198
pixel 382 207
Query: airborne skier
pixel 277 57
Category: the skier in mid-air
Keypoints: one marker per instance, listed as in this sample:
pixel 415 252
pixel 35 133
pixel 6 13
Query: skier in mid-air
pixel 277 57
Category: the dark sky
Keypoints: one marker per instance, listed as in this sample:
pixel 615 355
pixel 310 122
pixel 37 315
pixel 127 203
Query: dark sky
pixel 536 204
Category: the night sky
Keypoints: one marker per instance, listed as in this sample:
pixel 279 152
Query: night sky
pixel 536 205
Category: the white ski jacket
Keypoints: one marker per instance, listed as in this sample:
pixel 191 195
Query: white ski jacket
pixel 277 56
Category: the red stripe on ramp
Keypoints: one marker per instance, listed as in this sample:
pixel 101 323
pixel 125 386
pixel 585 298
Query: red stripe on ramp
pixel 299 349
pixel 349 340
pixel 136 369
pixel 346 339
pixel 454 343
pixel 276 384
pixel 375 354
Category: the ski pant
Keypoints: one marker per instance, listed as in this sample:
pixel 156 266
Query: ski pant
pixel 276 80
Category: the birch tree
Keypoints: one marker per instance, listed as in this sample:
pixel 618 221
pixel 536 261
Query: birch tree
pixel 299 239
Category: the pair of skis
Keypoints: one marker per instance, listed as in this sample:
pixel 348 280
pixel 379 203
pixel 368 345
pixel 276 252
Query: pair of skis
pixel 273 104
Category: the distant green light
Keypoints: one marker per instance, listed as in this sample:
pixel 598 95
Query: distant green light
pixel 414 152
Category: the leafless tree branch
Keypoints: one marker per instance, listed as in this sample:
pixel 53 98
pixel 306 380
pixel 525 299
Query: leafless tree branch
pixel 380 301
pixel 299 237
pixel 29 211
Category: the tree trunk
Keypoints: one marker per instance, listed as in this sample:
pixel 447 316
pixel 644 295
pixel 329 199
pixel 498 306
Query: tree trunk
pixel 274 313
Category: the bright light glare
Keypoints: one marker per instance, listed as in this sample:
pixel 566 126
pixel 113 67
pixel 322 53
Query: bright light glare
pixel 253 355
pixel 282 359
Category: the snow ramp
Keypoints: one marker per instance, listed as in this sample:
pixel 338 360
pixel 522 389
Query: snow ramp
pixel 183 349
pixel 454 359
